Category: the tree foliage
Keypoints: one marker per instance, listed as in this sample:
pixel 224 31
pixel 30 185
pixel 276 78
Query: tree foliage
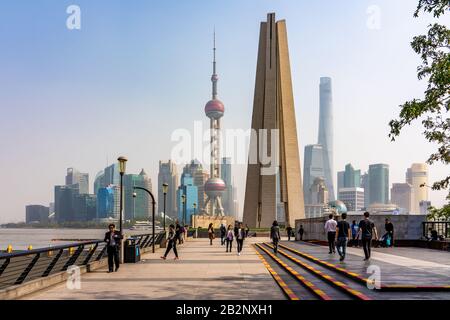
pixel 433 110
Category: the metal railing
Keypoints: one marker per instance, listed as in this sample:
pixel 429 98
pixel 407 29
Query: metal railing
pixel 442 228
pixel 19 267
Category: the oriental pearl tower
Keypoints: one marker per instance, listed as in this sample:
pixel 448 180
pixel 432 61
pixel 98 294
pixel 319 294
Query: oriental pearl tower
pixel 214 110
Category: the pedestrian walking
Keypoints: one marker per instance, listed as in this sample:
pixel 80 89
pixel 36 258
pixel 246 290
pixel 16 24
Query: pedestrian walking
pixel 113 239
pixel 354 233
pixel 367 230
pixel 178 234
pixel 171 243
pixel 289 232
pixel 301 231
pixel 240 237
pixel 223 234
pixel 211 233
pixel 343 234
pixel 330 229
pixel 229 238
pixel 275 235
pixel 247 230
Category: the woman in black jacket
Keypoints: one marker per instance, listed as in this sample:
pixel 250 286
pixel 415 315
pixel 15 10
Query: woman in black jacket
pixel 171 243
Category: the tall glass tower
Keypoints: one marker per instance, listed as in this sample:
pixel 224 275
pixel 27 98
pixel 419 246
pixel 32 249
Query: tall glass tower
pixel 326 133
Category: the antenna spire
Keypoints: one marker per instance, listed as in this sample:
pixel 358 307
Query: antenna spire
pixel 214 77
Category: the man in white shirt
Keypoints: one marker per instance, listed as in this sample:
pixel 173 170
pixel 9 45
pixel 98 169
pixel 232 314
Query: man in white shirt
pixel 330 229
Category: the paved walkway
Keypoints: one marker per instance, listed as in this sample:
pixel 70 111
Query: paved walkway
pixel 203 272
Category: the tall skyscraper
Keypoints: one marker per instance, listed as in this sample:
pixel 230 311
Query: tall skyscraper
pixel 402 195
pixel 312 168
pixel 273 109
pixel 365 186
pixel 416 176
pixel 81 179
pixel 378 184
pixel 200 176
pixel 138 208
pixel 228 196
pixel 64 202
pixel 84 207
pixel 168 174
pixel 108 202
pixel 187 188
pixel 214 110
pixel 352 177
pixel 112 175
pixel 326 132
pixel 99 181
pixel 36 214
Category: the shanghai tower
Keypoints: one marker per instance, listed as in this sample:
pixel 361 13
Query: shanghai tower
pixel 326 133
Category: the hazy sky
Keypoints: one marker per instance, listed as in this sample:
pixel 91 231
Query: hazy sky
pixel 138 70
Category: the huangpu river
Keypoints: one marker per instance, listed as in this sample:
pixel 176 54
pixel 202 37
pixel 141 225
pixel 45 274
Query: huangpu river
pixel 20 239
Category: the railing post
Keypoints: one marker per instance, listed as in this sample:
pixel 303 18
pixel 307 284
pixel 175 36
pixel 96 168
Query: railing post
pixel 90 254
pixel 27 270
pixel 73 258
pixel 4 265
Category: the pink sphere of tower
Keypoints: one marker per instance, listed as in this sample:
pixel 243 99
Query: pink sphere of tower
pixel 214 187
pixel 214 109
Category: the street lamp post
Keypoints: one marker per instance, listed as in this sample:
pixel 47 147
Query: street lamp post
pixel 153 213
pixel 122 168
pixel 183 201
pixel 192 219
pixel 165 188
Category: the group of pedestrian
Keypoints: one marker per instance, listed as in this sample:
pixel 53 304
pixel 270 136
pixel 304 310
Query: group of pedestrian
pixel 228 234
pixel 340 232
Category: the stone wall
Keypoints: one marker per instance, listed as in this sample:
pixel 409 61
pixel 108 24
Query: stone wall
pixel 406 227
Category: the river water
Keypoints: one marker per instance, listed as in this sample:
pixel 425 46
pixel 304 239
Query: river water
pixel 20 239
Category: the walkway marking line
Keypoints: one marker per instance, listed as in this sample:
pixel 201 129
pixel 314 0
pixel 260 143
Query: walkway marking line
pixel 289 293
pixel 309 285
pixel 363 280
pixel 328 278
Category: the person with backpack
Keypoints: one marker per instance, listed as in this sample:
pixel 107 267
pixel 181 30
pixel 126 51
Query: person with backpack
pixel 229 238
pixel 342 236
pixel 240 237
pixel 367 230
pixel 223 233
pixel 171 243
pixel 211 235
pixel 275 235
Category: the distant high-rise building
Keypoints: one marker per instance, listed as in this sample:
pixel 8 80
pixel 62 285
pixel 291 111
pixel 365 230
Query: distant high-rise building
pixel 84 207
pixel 353 198
pixel 168 174
pixel 36 214
pixel 340 180
pixel 416 176
pixel 200 176
pixel 64 202
pixel 365 186
pixel 326 132
pixel 188 189
pixel 111 175
pixel 108 202
pixel 402 195
pixel 227 196
pixel 352 177
pixel 99 181
pixel 137 208
pixel 312 168
pixel 319 198
pixel 424 207
pixel 74 177
pixel 378 183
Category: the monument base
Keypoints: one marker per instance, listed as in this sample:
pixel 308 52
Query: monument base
pixel 203 221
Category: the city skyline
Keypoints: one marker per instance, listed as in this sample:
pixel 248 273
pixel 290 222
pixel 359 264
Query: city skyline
pixel 43 147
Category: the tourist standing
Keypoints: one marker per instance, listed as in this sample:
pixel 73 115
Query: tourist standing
pixel 211 233
pixel 223 234
pixel 240 238
pixel 275 235
pixel 289 232
pixel 229 238
pixel 330 229
pixel 343 233
pixel 301 231
pixel 113 239
pixel 171 243
pixel 367 230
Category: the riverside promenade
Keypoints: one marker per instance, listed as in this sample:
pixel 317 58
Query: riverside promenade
pixel 204 272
